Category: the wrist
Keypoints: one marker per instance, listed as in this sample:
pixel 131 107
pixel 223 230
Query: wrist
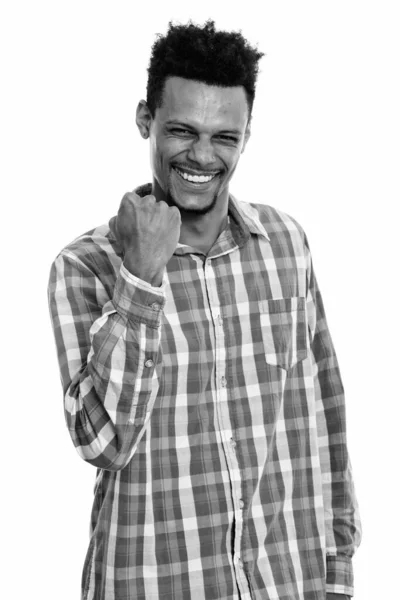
pixel 154 278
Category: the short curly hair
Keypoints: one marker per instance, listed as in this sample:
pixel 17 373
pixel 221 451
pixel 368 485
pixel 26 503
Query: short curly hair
pixel 202 54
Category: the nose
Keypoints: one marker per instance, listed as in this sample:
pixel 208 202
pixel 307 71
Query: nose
pixel 202 152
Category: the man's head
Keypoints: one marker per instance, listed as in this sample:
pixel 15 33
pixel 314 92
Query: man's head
pixel 200 95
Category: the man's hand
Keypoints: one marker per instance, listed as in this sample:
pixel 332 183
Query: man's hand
pixel 147 232
pixel 332 596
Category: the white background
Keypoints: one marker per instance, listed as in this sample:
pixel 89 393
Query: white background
pixel 324 148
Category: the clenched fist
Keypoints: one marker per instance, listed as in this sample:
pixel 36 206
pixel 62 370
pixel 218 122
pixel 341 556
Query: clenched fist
pixel 147 232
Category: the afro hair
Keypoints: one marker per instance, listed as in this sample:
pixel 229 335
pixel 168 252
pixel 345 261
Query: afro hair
pixel 202 54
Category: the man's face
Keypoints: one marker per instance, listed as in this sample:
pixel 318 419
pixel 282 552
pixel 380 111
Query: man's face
pixel 196 139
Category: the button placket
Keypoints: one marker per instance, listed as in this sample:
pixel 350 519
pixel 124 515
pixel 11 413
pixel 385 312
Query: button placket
pixel 224 419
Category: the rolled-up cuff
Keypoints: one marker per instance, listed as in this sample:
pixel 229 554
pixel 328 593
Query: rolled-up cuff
pixel 339 575
pixel 138 300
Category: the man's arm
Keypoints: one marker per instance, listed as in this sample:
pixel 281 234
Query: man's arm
pixel 342 522
pixel 108 350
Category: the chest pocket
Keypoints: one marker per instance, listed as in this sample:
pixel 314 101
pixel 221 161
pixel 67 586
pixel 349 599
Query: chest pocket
pixel 284 331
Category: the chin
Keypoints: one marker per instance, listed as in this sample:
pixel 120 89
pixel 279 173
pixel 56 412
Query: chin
pixel 193 204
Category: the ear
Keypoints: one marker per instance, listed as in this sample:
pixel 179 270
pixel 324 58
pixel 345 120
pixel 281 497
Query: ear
pixel 247 134
pixel 143 119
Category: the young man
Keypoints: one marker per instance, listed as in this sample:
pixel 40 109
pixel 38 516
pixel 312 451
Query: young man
pixel 198 372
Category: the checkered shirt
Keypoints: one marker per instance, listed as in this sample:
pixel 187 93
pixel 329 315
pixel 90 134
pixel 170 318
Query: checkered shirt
pixel 213 409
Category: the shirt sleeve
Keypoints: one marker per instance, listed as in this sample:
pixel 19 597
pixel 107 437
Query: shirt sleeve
pixel 342 520
pixel 109 356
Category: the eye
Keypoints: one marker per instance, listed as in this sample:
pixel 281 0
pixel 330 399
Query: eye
pixel 228 138
pixel 182 132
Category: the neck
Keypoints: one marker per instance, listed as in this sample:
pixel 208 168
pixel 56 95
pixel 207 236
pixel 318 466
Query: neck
pixel 202 236
pixel 199 230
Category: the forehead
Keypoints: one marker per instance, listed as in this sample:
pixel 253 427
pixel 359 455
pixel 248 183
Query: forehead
pixel 201 104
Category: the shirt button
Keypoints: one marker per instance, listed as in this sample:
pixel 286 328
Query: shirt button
pixel 149 363
pixel 240 563
pixel 155 306
pixel 223 381
pixel 241 503
pixel 233 443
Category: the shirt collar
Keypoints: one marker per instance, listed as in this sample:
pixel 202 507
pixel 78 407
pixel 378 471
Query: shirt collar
pixel 246 217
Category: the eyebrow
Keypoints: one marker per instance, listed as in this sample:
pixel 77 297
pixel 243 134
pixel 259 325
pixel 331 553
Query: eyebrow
pixel 187 126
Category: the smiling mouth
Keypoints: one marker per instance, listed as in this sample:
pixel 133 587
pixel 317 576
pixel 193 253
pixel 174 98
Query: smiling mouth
pixel 196 179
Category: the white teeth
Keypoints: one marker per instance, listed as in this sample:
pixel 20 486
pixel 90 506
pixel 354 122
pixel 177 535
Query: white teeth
pixel 195 178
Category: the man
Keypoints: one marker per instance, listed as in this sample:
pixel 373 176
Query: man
pixel 198 371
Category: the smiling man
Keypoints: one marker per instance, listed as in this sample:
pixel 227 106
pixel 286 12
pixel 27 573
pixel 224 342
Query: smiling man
pixel 198 372
pixel 196 138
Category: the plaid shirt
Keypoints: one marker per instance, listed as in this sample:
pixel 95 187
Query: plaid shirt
pixel 213 409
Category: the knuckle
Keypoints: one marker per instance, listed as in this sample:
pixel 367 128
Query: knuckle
pixel 126 198
pixel 175 211
pixel 124 206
